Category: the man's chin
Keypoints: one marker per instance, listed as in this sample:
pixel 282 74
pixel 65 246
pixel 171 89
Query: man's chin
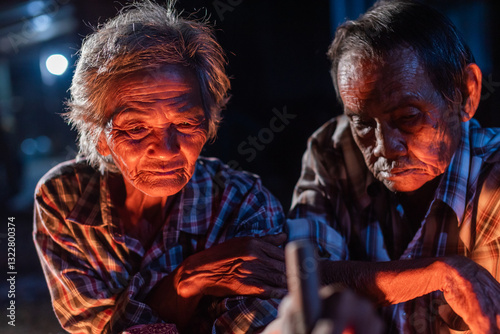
pixel 402 186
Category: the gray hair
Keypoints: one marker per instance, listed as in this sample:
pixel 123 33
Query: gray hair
pixel 390 25
pixel 142 37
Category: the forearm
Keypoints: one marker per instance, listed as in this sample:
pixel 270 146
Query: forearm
pixel 386 282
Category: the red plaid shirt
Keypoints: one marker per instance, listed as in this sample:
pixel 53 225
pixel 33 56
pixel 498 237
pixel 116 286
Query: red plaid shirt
pixel 98 276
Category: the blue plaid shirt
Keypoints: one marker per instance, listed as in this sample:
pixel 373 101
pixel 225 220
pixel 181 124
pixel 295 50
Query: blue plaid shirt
pixel 352 216
pixel 98 276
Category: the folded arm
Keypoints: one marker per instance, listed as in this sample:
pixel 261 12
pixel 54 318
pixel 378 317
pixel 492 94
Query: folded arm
pixel 469 289
pixel 243 266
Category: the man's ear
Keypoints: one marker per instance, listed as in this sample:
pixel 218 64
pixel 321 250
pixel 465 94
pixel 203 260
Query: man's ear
pixel 102 146
pixel 473 77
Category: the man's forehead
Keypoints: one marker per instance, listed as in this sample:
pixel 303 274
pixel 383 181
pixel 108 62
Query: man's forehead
pixel 367 78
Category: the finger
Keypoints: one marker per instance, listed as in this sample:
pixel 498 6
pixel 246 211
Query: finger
pixel 273 292
pixel 270 265
pixel 272 251
pixel 255 287
pixel 275 239
pixel 262 276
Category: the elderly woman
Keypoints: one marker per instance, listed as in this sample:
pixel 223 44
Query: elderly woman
pixel 139 229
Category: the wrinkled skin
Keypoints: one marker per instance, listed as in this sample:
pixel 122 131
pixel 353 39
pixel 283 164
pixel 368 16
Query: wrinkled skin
pixel 405 129
pixel 157 130
pixel 473 294
pixel 243 266
pixel 256 267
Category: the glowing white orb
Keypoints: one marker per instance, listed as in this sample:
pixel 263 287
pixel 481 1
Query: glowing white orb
pixel 57 64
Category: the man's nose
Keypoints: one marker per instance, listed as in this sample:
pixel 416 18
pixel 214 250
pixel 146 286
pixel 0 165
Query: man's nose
pixel 166 143
pixel 390 143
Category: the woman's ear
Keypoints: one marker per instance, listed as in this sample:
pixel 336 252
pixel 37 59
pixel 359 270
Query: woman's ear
pixel 473 77
pixel 102 146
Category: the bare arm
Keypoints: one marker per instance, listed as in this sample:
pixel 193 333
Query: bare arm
pixel 241 266
pixel 469 289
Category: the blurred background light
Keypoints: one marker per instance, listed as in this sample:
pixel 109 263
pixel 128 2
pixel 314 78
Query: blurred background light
pixel 41 144
pixel 56 64
pixel 35 7
pixel 41 23
pixel 29 146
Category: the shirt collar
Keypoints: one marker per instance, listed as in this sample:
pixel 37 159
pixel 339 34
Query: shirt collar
pixel 452 189
pixel 195 205
pixel 358 175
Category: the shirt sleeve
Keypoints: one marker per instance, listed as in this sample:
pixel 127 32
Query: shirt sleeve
pixel 318 211
pixel 83 301
pixel 255 212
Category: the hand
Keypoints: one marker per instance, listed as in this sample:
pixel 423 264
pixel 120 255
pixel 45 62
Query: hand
pixel 247 266
pixel 240 266
pixel 473 294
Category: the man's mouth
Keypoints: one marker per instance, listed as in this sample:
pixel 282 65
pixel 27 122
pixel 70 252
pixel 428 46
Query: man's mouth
pixel 400 172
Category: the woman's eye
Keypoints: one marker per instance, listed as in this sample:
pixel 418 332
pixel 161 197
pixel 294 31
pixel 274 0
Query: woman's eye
pixel 137 131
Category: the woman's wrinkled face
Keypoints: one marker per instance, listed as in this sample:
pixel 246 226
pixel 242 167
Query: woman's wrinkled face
pixel 405 129
pixel 157 129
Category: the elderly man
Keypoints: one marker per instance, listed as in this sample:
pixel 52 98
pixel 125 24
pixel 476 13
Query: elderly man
pixel 140 233
pixel 402 191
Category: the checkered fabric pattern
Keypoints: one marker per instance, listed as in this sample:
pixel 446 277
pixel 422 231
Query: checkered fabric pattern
pixel 338 203
pixel 99 277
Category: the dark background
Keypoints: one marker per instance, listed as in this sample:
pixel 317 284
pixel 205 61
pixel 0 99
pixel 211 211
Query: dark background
pixel 276 51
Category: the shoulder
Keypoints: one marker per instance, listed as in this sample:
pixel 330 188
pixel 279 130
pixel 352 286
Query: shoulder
pixel 485 151
pixel 331 150
pixel 71 172
pixel 222 175
pixel 330 130
pixel 333 137
pixel 62 185
pixel 237 198
pixel 485 142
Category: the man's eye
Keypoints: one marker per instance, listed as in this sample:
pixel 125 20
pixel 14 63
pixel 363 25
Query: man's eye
pixel 408 117
pixel 408 121
pixel 186 125
pixel 362 127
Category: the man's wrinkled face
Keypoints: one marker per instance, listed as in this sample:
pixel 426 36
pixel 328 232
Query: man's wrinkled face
pixel 405 129
pixel 157 130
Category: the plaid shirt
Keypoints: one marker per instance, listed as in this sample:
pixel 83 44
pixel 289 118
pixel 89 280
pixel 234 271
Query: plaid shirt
pixel 98 276
pixel 352 216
